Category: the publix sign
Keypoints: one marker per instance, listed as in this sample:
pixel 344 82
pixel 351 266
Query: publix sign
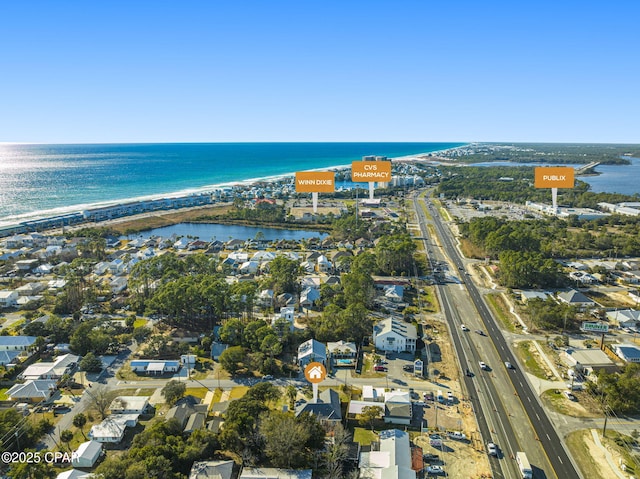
pixel 594 327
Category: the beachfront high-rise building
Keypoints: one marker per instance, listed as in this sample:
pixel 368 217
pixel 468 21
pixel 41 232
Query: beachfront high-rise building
pixel 377 158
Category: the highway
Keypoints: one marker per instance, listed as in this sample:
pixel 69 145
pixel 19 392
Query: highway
pixel 503 399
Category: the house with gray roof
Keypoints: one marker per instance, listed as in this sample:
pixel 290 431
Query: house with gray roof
pixel 274 473
pixel 33 390
pixel 211 470
pixel 326 408
pixel 577 299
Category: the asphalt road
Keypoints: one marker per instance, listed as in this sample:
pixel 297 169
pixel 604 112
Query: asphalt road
pixel 545 434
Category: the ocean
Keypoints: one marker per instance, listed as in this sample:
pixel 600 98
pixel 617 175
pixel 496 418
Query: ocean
pixel 46 180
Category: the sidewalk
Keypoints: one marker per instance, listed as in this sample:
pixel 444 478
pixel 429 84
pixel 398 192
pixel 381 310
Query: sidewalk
pixel 607 455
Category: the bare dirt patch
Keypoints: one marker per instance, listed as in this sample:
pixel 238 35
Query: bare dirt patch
pixel 592 459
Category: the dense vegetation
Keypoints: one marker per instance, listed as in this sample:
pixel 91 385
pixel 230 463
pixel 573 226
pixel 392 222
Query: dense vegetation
pixel 484 183
pixel 620 391
pixel 553 153
pixel 161 451
pixel 556 238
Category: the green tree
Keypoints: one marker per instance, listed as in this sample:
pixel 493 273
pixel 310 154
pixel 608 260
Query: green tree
pixel 90 363
pixel 291 393
pixel 173 391
pixel 66 436
pixel 271 345
pixel 231 359
pixel 100 399
pixel 394 254
pixel 79 420
pixel 288 440
pixel 232 332
pixel 370 414
pixel 284 275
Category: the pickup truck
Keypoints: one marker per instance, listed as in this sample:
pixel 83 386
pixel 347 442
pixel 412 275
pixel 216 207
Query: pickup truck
pixel 457 435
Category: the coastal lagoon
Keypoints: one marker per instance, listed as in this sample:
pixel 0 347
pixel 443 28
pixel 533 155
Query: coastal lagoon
pixel 220 232
pixel 611 178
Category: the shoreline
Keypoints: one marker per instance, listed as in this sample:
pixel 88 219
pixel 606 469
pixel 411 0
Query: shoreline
pixel 17 220
pixel 139 223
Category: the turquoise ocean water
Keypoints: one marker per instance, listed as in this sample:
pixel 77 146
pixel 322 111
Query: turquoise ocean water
pixel 42 180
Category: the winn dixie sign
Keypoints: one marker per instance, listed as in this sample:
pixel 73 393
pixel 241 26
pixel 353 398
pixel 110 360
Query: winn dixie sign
pixel 315 182
pixel 554 177
pixel 374 171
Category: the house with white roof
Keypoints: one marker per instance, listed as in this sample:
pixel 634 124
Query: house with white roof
pixel 112 429
pixel 154 366
pixel 323 263
pixel 87 454
pixel 51 370
pixel 395 335
pixel 625 318
pixel 8 298
pixel 130 405
pixel 392 461
pixel 370 393
pixel 75 474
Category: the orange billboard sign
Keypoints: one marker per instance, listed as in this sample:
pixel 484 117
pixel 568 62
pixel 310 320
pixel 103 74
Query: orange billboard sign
pixel 554 177
pixel 315 182
pixel 377 171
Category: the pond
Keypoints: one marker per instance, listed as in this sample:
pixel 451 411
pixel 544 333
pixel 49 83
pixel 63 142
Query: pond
pixel 214 231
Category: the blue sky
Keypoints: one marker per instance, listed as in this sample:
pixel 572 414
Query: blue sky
pixel 165 71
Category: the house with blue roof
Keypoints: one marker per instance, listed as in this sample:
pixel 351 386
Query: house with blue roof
pixel 311 351
pixel 16 343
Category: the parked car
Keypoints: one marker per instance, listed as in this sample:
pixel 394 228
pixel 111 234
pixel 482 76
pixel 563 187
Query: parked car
pixel 408 368
pixel 379 368
pixel 430 457
pixel 435 470
pixel 267 377
pixel 569 396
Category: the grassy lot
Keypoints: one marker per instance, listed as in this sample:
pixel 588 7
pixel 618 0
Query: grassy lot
pixel 237 392
pixel 196 392
pixel 364 436
pixel 139 322
pixel 470 250
pixel 500 310
pixel 527 358
pixel 580 452
pixel 367 368
pixel 621 443
pixel 3 394
pixel 429 300
pixel 577 443
pixel 554 399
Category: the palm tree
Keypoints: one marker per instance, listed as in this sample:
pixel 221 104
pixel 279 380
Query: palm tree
pixel 291 392
pixel 79 420
pixel 66 436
